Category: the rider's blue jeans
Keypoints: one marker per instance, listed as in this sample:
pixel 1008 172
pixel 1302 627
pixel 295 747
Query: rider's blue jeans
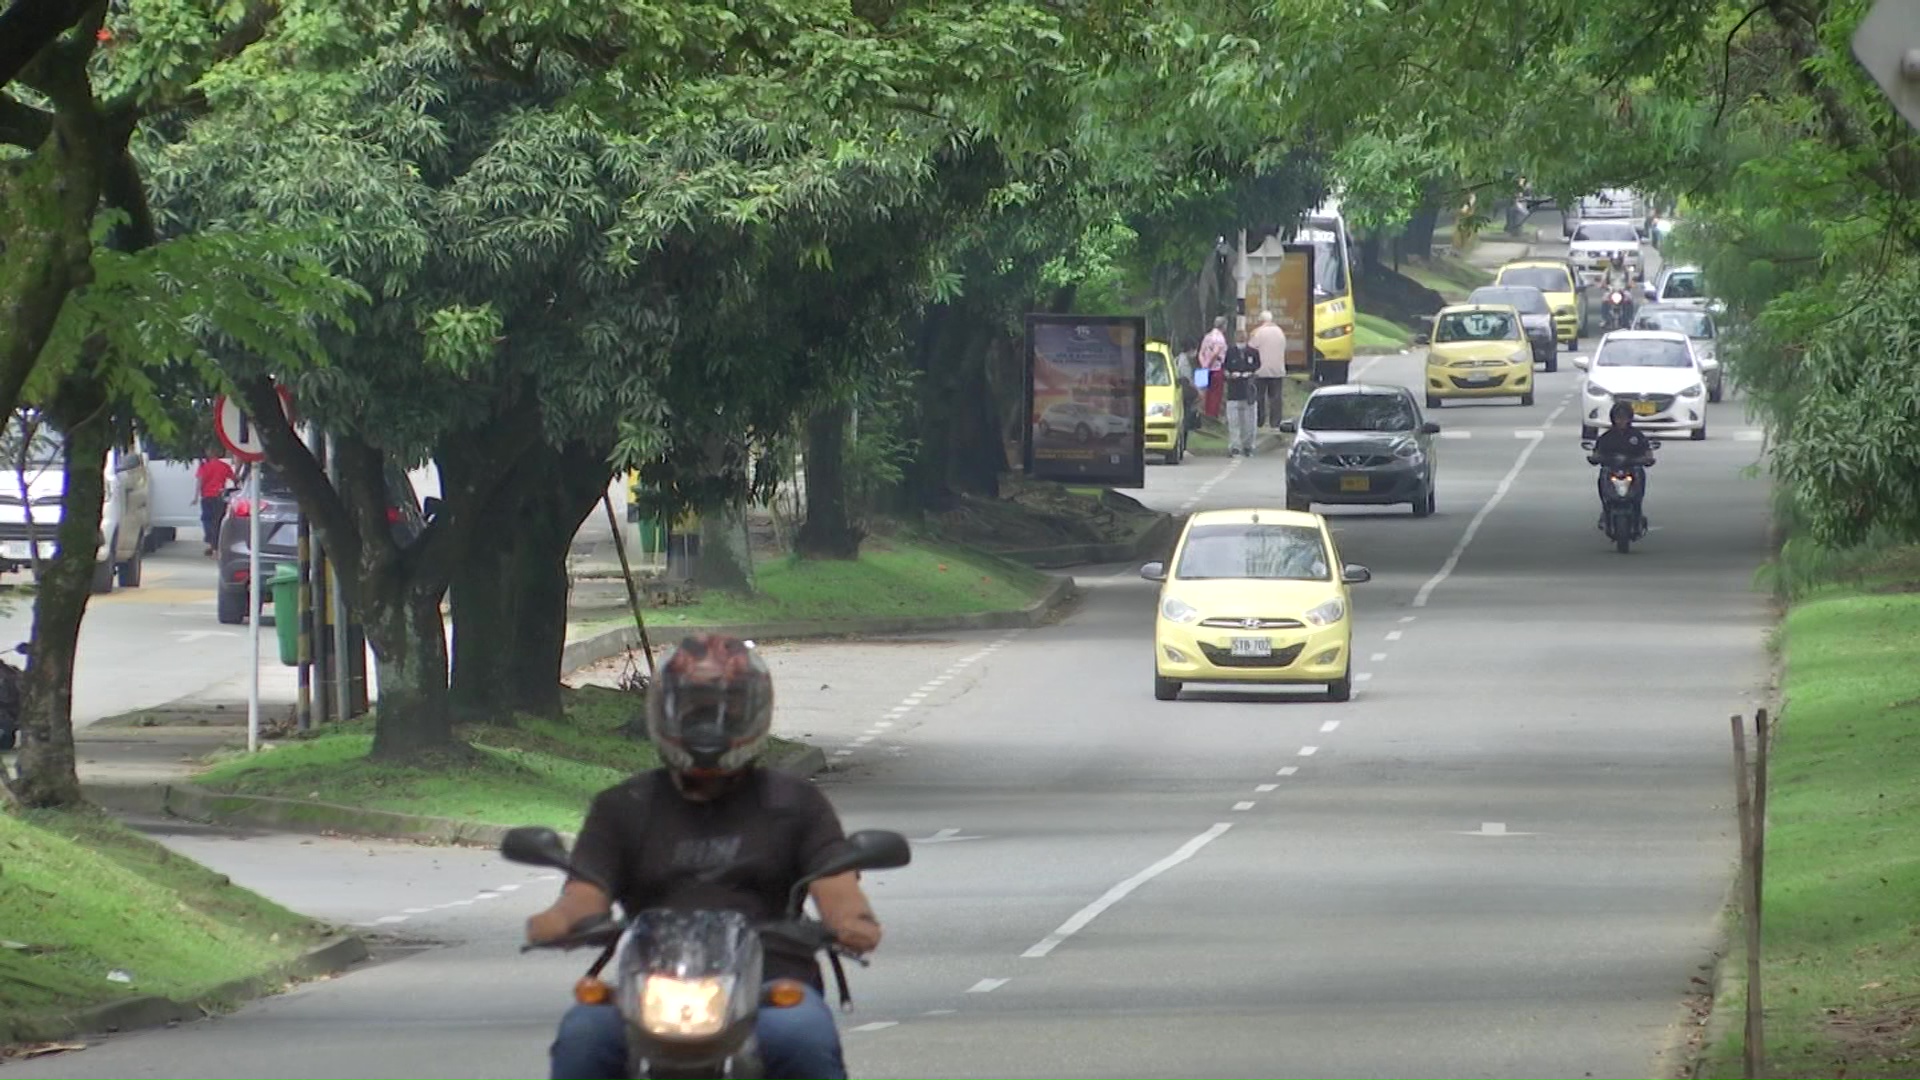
pixel 798 1043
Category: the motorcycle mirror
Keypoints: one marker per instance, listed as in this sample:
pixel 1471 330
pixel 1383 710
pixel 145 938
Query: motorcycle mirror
pixel 535 845
pixel 1154 571
pixel 1355 574
pixel 868 849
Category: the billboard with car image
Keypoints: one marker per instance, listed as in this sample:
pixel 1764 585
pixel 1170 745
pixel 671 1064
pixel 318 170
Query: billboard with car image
pixel 1086 387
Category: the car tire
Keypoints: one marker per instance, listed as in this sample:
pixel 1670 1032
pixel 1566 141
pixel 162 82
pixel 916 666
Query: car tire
pixel 103 571
pixel 1423 503
pixel 232 605
pixel 1699 434
pixel 1713 395
pixel 1165 689
pixel 1297 504
pixel 1083 433
pixel 130 571
pixel 1341 689
pixel 1589 432
pixel 1432 402
pixel 1574 344
pixel 1553 364
pixel 1526 400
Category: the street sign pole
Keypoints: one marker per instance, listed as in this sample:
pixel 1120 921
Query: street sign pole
pixel 1887 44
pixel 253 608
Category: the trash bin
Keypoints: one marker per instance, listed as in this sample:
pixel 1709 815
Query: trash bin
pixel 652 534
pixel 285 584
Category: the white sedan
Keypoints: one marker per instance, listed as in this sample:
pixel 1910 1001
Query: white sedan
pixel 1657 372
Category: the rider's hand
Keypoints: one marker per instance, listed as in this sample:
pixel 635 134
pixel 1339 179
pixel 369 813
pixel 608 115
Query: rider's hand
pixel 547 926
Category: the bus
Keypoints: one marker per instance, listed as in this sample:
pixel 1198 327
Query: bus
pixel 1325 228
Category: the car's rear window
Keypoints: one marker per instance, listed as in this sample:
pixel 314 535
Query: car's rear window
pixel 1547 279
pixel 1526 300
pixel 1260 552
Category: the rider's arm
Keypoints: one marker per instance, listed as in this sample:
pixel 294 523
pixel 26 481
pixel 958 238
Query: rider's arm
pixel 578 901
pixel 844 908
pixel 598 852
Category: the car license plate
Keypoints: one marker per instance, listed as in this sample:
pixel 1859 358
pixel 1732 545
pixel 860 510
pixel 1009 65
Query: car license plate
pixel 1644 408
pixel 1252 646
pixel 1355 482
pixel 19 552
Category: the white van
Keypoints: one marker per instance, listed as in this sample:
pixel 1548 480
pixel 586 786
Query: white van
pixel 33 482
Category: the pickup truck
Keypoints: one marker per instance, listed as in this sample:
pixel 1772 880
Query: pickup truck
pixel 1596 243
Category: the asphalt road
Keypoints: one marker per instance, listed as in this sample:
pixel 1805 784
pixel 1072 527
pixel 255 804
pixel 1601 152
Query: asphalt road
pixel 1504 857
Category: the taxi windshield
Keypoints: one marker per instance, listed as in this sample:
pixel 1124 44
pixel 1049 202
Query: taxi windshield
pixel 1474 326
pixel 1255 551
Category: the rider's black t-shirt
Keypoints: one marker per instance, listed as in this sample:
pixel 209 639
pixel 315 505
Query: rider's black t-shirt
pixel 1624 441
pixel 739 852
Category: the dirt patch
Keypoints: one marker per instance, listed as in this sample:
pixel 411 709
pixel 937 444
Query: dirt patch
pixel 1881 1043
pixel 1037 513
pixel 1391 295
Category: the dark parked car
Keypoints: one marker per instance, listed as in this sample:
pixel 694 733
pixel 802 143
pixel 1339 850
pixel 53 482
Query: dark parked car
pixel 1536 316
pixel 280 534
pixel 1361 444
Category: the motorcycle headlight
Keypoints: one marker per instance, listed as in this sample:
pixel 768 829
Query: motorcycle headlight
pixel 1328 613
pixel 1174 609
pixel 673 1008
pixel 1693 391
pixel 1160 408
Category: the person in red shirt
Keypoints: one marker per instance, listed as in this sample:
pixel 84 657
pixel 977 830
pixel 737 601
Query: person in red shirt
pixel 213 476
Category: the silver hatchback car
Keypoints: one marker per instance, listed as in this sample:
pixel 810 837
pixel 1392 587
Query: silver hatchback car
pixel 1361 444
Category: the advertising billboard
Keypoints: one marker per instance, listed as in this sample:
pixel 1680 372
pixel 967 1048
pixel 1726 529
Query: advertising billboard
pixel 1284 286
pixel 1086 399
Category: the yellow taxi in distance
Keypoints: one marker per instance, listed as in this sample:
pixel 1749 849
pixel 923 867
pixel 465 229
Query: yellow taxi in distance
pixel 1254 596
pixel 1166 412
pixel 1557 280
pixel 1477 351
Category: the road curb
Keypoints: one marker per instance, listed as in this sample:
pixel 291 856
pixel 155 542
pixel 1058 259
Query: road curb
pixel 331 957
pixel 197 804
pixel 588 651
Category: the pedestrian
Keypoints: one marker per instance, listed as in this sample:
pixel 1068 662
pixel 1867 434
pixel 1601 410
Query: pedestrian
pixel 1213 349
pixel 1271 343
pixel 212 479
pixel 1239 368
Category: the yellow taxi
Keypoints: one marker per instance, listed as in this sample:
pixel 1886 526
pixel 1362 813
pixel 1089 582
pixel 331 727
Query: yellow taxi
pixel 1166 414
pixel 1254 596
pixel 1557 280
pixel 1478 351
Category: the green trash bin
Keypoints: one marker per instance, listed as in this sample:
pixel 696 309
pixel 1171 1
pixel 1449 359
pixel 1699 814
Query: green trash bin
pixel 652 535
pixel 285 584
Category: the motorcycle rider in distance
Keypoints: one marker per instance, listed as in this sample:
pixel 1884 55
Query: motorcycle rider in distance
pixel 1621 439
pixel 712 830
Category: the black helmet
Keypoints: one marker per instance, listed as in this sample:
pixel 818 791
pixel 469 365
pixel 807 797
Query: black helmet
pixel 1620 411
pixel 711 708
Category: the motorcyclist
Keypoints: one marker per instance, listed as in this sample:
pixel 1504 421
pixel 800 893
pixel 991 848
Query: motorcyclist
pixel 1634 448
pixel 712 830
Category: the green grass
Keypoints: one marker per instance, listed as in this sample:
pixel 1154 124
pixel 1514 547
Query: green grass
pixel 87 896
pixel 536 772
pixel 1842 944
pixel 1374 332
pixel 1452 278
pixel 893 576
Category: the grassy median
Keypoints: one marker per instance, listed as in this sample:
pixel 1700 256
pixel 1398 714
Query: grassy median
pixel 1378 334
pixel 1842 941
pixel 533 772
pixel 91 912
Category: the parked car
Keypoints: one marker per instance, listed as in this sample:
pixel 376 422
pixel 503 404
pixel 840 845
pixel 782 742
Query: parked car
pixel 1166 407
pixel 279 515
pixel 1361 444
pixel 33 482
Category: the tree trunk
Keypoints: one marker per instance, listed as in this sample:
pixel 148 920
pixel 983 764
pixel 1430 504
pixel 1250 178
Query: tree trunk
pixel 1417 242
pixel 577 479
pixel 485 614
pixel 413 719
pixel 725 564
pixel 50 773
pixel 829 531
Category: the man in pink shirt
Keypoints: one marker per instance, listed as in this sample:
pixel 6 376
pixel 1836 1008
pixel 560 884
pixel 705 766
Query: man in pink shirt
pixel 1213 350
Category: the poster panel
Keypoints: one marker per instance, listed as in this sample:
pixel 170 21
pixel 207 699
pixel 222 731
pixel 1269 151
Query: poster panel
pixel 1086 399
pixel 1287 291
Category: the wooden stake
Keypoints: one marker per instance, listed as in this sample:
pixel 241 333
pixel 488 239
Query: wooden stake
pixel 1750 879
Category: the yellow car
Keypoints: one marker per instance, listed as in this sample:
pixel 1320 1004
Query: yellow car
pixel 1478 351
pixel 1557 280
pixel 1166 416
pixel 1254 596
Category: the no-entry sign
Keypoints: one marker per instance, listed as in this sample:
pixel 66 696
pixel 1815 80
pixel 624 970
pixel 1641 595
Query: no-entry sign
pixel 236 430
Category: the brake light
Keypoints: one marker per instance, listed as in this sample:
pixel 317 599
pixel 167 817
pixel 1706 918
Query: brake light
pixel 393 515
pixel 241 508
pixel 240 574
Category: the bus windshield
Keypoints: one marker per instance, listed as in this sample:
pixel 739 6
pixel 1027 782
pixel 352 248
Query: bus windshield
pixel 1329 256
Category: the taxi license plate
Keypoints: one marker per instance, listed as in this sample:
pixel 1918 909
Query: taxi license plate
pixel 1355 482
pixel 1480 378
pixel 1252 646
pixel 1644 408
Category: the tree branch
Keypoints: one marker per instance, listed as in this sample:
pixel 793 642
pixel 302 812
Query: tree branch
pixel 29 27
pixel 22 125
pixel 1726 59
pixel 316 494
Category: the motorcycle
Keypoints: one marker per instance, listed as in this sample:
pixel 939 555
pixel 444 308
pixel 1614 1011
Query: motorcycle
pixel 1621 474
pixel 688 983
pixel 1616 311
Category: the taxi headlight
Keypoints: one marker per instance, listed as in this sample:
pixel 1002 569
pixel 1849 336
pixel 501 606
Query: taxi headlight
pixel 1160 408
pixel 673 1008
pixel 1336 331
pixel 1328 613
pixel 1174 609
